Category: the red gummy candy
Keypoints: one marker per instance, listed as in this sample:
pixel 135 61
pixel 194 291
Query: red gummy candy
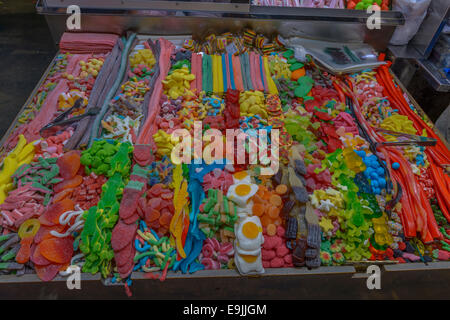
pixel 37 257
pixel 58 250
pixel 68 184
pixel 155 203
pixel 276 263
pixel 23 255
pixel 69 164
pixel 47 273
pixel 63 195
pixel 123 256
pixel 165 217
pixel 54 211
pixel 288 259
pixel 267 255
pixel 280 231
pixel 156 189
pixel 122 235
pixel 151 215
pixel 129 203
pixel 271 242
pixel 44 233
pixel 282 251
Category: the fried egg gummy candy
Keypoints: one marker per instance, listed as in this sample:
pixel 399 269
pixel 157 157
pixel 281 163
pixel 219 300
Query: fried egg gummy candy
pixel 248 229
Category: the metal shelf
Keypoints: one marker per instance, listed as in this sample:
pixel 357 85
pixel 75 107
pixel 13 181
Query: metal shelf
pixel 434 76
pixel 242 10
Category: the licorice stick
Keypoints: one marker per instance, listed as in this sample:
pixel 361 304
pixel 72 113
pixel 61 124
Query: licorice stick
pixel 224 73
pixel 219 74
pixel 199 76
pixel 106 72
pixel 214 72
pixel 258 71
pixel 237 73
pixel 230 68
pixel 270 84
pixel 243 72
pixel 146 135
pixel 263 74
pixel 254 72
pixel 155 47
pixel 104 108
pixel 193 84
pixel 247 74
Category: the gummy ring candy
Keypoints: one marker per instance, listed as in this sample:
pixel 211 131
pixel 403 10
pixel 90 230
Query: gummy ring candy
pixel 29 228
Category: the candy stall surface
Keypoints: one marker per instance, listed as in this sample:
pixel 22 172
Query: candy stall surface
pixel 122 164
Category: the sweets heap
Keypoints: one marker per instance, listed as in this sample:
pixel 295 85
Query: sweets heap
pixel 145 178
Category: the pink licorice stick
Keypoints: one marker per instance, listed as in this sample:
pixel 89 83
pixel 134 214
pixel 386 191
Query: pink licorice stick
pixel 199 72
pixel 46 113
pixel 237 73
pixel 149 128
pixel 194 71
pixel 253 72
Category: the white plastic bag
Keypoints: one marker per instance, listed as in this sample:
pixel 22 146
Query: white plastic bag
pixel 414 12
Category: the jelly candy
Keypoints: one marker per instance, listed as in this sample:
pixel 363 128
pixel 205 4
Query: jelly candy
pixel 54 211
pixel 69 164
pixel 47 272
pixel 36 257
pixel 122 235
pixel 68 183
pixel 23 255
pixel 58 250
pixel 29 228
pixel 44 232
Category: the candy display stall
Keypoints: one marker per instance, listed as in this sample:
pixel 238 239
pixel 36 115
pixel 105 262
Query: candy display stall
pixel 89 176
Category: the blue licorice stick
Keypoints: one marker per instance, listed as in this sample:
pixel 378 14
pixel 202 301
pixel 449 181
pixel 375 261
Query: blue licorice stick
pixel 154 234
pixel 140 248
pixel 224 74
pixel 230 66
pixel 243 71
pixel 143 225
pixel 113 89
pixel 248 72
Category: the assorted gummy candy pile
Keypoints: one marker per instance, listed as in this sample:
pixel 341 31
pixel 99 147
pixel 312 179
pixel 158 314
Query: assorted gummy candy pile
pixel 126 186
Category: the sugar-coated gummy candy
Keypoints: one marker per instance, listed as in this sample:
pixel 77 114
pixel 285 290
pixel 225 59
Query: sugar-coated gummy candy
pixel 47 273
pixel 68 164
pixel 57 250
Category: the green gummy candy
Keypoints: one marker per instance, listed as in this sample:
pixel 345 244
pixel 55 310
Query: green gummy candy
pixel 296 66
pixel 301 91
pixel 305 80
pixel 360 6
pixel 288 53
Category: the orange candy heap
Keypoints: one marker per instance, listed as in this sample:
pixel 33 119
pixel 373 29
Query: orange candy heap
pixel 267 205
